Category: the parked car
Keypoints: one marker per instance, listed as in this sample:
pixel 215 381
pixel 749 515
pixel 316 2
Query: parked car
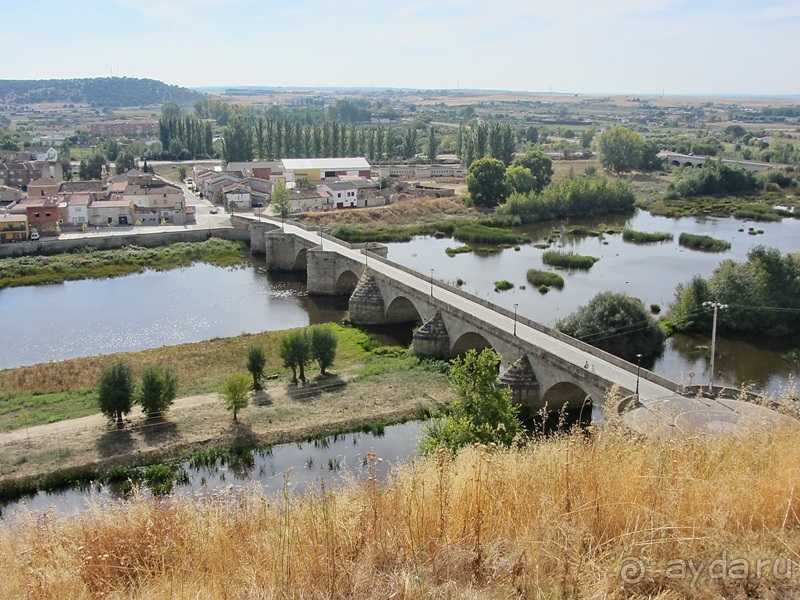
pixel 258 205
pixel 34 235
pixel 214 210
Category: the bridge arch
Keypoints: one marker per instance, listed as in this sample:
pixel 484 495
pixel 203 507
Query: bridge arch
pixel 469 341
pixel 567 394
pixel 402 310
pixel 688 164
pixel 676 163
pixel 301 260
pixel 346 282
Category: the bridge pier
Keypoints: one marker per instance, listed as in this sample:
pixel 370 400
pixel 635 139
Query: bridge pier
pixel 330 273
pixel 432 339
pixel 258 244
pixel 366 305
pixel 285 251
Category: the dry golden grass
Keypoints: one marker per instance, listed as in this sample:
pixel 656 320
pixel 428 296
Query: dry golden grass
pixel 562 518
pixel 404 212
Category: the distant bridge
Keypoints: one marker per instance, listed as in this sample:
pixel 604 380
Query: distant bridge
pixel 675 159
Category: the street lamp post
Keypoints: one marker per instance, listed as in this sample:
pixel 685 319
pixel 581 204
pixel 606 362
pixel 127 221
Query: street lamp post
pixel 716 306
pixel 515 318
pixel 431 283
pixel 638 368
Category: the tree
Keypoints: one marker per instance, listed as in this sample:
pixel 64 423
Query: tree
pixel 520 179
pixel 587 135
pixel 540 165
pixel 235 393
pixel 125 162
pixel 295 352
pixel 620 149
pixel 115 390
pixel 256 361
pixel 410 143
pixel 616 323
pixel 486 182
pixel 281 202
pixel 237 140
pixel 92 168
pixel 433 144
pixel 158 389
pixel 323 342
pixel 650 159
pixel 483 412
pixel 170 110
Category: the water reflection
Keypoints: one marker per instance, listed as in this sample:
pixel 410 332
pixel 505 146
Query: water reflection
pixel 294 467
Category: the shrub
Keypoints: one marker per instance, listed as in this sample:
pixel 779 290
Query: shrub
pixel 705 243
pixel 568 260
pixel 643 237
pixel 616 323
pixel 543 289
pixel 545 278
pixel 579 197
pixel 450 251
pixel 503 285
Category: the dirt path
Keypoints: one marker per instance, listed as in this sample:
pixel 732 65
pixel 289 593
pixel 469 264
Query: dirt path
pixel 277 414
pixel 93 422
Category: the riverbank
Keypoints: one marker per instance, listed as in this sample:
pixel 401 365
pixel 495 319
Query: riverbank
pixel 375 391
pixel 91 263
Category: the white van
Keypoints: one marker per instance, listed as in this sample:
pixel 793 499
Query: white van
pixel 34 235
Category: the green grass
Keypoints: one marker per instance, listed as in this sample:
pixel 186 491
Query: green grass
pixel 90 263
pixel 546 278
pixel 484 232
pixel 458 250
pixel 476 233
pixel 50 392
pixel 644 237
pixel 27 410
pixel 756 207
pixel 706 243
pixel 568 260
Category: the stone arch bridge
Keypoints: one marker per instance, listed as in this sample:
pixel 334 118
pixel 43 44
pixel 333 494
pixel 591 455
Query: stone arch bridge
pixel 543 367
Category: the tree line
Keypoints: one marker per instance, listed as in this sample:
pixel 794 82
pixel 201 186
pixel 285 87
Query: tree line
pixel 264 138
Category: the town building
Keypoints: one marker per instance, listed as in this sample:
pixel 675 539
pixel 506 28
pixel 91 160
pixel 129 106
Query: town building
pixel 124 128
pixel 13 228
pixel 315 170
pixel 20 174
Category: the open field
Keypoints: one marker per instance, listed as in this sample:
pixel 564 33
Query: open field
pixel 50 392
pixel 604 515
pixel 378 389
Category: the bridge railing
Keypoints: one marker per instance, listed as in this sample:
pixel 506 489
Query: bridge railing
pixel 578 344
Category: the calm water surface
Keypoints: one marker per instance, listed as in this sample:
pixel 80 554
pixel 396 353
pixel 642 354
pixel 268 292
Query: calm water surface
pixel 152 309
pixel 649 272
pixel 298 467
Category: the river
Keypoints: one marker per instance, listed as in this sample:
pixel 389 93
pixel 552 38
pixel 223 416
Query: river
pixel 151 309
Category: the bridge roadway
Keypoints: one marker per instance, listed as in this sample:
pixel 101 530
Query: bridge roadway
pixel 607 371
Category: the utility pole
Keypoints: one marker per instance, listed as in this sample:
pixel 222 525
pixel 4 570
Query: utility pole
pixel 716 306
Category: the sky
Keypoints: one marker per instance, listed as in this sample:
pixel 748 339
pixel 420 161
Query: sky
pixel 749 47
